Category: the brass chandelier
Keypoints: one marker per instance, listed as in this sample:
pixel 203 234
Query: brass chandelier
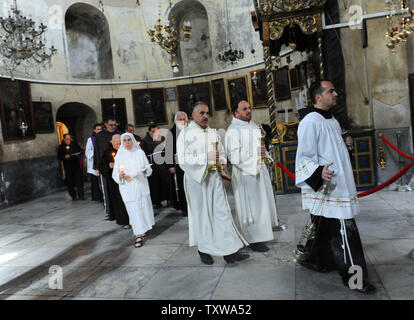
pixel 20 42
pixel 170 41
pixel 400 23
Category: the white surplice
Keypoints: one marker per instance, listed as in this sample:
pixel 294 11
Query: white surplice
pixel 210 222
pixel 252 187
pixel 320 142
pixel 135 193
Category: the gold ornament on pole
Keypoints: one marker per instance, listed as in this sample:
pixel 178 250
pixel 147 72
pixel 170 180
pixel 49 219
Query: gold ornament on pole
pixel 171 40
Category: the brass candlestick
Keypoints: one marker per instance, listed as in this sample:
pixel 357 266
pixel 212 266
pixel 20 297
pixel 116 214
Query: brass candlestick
pixel 216 166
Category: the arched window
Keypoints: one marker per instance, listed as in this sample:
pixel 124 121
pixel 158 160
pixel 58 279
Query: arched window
pixel 194 56
pixel 89 43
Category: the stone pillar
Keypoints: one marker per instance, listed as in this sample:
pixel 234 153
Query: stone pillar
pixel 410 65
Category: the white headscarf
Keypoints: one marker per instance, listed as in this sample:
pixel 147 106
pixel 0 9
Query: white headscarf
pixel 126 159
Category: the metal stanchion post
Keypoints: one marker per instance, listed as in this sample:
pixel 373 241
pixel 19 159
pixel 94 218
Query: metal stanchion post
pixel 402 187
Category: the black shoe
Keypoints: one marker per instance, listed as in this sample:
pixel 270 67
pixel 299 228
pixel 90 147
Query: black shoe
pixel 231 258
pixel 206 258
pixel 185 213
pixel 259 247
pixel 312 266
pixel 82 198
pixel 367 288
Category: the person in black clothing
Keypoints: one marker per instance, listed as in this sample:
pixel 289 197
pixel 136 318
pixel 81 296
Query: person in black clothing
pixel 96 192
pixel 116 204
pixel 159 180
pixel 69 152
pixel 177 174
pixel 131 129
pixel 102 142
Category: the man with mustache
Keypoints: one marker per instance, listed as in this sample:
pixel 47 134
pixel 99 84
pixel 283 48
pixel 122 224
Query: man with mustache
pixel 210 221
pixel 253 192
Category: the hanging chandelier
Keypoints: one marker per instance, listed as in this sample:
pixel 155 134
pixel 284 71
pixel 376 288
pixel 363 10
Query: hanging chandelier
pixel 400 23
pixel 20 42
pixel 171 39
pixel 230 55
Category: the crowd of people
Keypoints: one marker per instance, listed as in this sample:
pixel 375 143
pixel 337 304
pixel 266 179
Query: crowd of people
pixel 186 169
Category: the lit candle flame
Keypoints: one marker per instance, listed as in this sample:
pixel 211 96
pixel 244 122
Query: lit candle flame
pixel 113 154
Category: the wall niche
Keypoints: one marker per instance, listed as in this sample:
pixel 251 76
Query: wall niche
pixel 89 43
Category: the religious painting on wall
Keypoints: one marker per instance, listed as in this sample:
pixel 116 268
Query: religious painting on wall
pixel 191 93
pixel 294 79
pixel 115 107
pixel 258 89
pixel 282 86
pixel 16 109
pixel 219 94
pixel 171 94
pixel 43 117
pixel 237 91
pixel 149 106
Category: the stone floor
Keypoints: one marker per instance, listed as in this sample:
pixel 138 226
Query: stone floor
pixel 98 260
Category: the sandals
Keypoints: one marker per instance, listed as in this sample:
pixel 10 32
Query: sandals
pixel 138 241
pixel 107 217
pixel 127 226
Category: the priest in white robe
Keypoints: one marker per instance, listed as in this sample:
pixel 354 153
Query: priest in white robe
pixel 131 169
pixel 324 174
pixel 252 187
pixel 210 221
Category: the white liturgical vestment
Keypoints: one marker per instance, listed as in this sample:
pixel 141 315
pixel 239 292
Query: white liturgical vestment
pixel 210 222
pixel 319 143
pixel 252 187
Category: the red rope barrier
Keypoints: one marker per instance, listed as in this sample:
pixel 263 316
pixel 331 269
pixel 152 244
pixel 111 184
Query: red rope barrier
pixel 388 182
pixel 396 149
pixel 365 193
pixel 286 170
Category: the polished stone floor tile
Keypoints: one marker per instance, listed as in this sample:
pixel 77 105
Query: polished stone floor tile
pixel 243 283
pixel 177 283
pixel 147 255
pixel 398 280
pixel 395 251
pixel 114 282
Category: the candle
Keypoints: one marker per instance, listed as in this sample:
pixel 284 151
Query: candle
pixel 67 148
pixel 122 178
pixel 286 115
pixel 113 155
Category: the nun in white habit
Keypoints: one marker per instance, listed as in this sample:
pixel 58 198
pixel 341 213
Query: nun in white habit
pixel 131 170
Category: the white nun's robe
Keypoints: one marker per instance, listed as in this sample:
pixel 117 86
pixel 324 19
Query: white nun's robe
pixel 210 221
pixel 135 193
pixel 253 191
pixel 320 142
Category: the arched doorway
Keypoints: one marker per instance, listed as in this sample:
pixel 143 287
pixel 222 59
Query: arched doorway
pixel 79 119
